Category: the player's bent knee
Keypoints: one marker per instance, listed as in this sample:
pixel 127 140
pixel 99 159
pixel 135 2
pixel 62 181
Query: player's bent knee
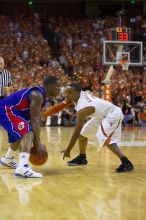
pixel 112 145
pixel 82 136
pixel 31 133
pixel 29 136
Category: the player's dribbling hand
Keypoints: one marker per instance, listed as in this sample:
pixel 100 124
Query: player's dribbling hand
pixel 66 153
pixel 41 151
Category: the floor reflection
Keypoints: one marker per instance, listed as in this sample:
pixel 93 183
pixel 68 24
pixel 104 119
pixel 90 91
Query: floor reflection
pixel 54 135
pixel 21 185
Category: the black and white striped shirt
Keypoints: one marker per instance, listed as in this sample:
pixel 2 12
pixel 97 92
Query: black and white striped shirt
pixel 5 81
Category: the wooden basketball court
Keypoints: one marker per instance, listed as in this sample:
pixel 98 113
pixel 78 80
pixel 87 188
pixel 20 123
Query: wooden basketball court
pixel 92 192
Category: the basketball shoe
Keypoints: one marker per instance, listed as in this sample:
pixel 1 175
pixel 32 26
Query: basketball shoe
pixel 8 162
pixel 27 172
pixel 78 161
pixel 125 168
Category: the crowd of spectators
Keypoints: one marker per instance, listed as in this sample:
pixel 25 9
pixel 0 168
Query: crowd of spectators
pixel 26 53
pixel 28 57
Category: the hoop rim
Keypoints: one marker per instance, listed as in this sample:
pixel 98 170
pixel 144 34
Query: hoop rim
pixel 125 64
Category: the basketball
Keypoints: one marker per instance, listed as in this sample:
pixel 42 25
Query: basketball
pixel 35 159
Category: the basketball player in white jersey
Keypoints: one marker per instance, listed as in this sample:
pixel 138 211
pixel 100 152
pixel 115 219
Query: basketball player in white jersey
pixel 103 115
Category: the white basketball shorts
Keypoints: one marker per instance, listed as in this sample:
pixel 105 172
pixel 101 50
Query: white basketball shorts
pixel 107 130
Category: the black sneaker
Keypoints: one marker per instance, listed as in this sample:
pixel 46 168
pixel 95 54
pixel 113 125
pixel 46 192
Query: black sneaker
pixel 77 161
pixel 125 168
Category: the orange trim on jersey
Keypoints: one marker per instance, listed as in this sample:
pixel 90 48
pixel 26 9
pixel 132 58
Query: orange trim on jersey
pixel 108 137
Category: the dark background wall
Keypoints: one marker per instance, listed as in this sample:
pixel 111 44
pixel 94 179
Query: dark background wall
pixel 78 8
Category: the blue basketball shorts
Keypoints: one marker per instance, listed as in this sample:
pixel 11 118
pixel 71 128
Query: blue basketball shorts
pixel 14 123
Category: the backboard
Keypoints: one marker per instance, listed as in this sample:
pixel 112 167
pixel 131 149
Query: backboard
pixel 115 51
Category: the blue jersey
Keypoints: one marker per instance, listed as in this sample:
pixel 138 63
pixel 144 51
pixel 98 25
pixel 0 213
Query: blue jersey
pixel 20 100
pixel 15 112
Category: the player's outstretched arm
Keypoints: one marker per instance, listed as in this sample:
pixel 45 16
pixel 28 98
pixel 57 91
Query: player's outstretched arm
pixel 81 118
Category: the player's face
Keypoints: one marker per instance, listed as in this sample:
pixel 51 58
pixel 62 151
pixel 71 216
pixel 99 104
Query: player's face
pixel 70 94
pixel 1 63
pixel 53 89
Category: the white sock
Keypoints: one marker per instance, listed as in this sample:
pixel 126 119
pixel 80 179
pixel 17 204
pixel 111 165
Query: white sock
pixel 23 159
pixel 10 153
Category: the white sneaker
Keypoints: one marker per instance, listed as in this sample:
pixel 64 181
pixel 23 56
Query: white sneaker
pixel 8 162
pixel 27 172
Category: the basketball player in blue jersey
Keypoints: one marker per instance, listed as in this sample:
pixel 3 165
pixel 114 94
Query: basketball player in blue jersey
pixel 20 115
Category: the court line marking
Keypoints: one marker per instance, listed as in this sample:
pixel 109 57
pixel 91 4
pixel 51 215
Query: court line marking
pixel 133 143
pixel 126 143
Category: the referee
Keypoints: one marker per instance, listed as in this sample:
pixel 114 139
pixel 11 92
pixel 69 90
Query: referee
pixel 5 80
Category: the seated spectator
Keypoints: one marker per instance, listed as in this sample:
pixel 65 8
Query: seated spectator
pixel 128 112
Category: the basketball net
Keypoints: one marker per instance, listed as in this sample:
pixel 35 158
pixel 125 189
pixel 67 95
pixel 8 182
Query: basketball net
pixel 124 64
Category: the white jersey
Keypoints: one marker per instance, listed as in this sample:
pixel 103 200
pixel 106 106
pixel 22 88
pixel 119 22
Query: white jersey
pixel 102 108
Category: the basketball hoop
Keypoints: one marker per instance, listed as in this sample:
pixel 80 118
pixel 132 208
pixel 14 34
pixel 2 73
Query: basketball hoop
pixel 125 64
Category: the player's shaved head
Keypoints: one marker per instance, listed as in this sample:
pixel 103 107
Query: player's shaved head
pixel 73 91
pixel 76 86
pixel 51 86
pixel 51 80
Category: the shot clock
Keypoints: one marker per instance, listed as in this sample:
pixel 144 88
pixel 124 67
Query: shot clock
pixel 120 34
